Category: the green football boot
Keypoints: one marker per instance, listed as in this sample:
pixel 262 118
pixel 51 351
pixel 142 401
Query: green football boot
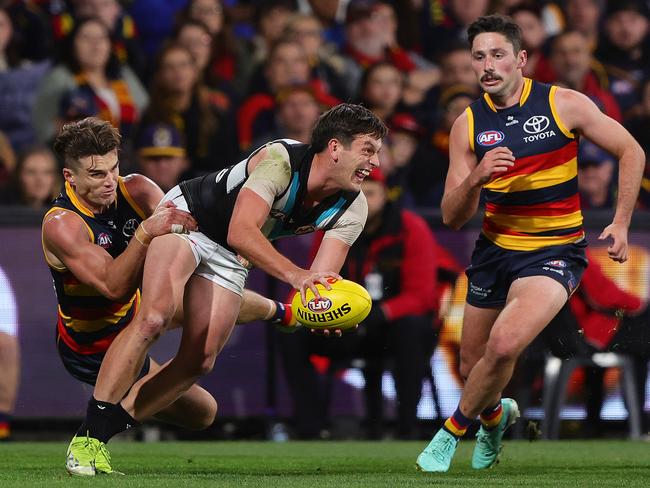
pixel 437 456
pixel 103 460
pixel 80 459
pixel 488 442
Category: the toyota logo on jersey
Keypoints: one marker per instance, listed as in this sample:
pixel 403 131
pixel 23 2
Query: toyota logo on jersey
pixel 490 137
pixel 536 124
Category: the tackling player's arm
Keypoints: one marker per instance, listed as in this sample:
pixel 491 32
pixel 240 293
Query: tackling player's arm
pixel 67 243
pixel 465 177
pixel 577 112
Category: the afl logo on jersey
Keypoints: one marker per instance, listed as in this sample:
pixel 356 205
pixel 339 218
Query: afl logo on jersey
pixel 104 240
pixel 490 137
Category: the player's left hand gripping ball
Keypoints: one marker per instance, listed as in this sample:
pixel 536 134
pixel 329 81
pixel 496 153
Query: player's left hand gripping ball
pixel 342 307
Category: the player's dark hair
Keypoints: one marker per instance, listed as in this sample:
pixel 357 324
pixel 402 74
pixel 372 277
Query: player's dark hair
pixel 499 24
pixel 344 122
pixel 88 137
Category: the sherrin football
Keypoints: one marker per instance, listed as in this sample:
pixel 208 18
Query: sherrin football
pixel 342 307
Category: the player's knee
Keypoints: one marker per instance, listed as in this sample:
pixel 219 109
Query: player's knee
pixel 466 366
pixel 206 417
pixel 151 324
pixel 501 350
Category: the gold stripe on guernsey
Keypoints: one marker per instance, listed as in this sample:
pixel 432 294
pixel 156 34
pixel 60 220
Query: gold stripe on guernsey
pixel 470 127
pixel 529 243
pixel 537 223
pixel 535 181
pixel 94 325
pixel 76 202
pixel 556 117
pixel 130 199
pixel 525 93
pixel 91 235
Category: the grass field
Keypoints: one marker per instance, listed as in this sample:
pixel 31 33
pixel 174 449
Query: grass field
pixel 622 464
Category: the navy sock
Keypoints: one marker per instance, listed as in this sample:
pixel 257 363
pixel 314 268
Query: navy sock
pixel 104 420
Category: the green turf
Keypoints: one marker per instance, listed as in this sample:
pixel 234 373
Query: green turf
pixel 622 464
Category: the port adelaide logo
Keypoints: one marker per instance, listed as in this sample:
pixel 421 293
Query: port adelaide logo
pixel 537 126
pixel 490 137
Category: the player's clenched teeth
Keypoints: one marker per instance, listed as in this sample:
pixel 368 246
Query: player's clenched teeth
pixel 362 173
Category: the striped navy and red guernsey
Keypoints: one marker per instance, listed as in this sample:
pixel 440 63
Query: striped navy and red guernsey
pixel 535 204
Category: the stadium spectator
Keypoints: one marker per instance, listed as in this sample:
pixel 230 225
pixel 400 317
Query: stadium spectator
pixel 529 18
pixel 296 113
pixel 394 258
pixel 229 66
pixel 161 155
pixel 326 64
pixel 381 89
pixel 125 44
pixel 595 171
pixel 271 17
pixel 429 169
pixel 404 144
pixel 178 97
pixel 575 68
pixel 18 83
pixel 35 181
pixel 88 67
pixel 286 66
pixel 584 16
pixel 32 30
pixel 371 37
pixel 625 49
pixel 195 36
pixel 445 25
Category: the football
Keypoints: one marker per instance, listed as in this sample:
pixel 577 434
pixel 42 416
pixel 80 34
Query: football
pixel 342 307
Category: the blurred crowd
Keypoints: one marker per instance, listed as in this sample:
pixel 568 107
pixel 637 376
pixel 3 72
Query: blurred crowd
pixel 193 85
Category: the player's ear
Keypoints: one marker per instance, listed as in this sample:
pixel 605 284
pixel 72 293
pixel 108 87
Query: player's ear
pixel 68 175
pixel 334 147
pixel 522 59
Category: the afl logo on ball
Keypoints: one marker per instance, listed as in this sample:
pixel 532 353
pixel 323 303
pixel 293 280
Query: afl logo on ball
pixel 490 137
pixel 319 304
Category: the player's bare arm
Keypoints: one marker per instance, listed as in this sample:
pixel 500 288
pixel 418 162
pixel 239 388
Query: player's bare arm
pixel 248 217
pixel 579 113
pixel 67 244
pixel 465 177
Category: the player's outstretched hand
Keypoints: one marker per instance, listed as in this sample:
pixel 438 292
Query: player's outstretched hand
pixel 168 219
pixel 618 249
pixel 496 161
pixel 306 279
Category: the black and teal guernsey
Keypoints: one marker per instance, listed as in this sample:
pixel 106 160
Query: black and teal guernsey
pixel 88 321
pixel 211 199
pixel 535 204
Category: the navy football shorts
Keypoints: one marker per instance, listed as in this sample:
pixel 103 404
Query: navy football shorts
pixel 493 269
pixel 85 367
